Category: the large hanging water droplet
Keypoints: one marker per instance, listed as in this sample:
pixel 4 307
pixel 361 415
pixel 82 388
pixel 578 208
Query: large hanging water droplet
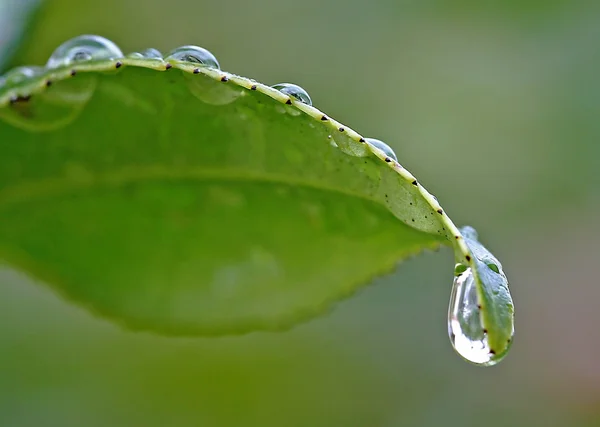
pixel 465 326
pixel 295 91
pixel 194 54
pixel 84 48
pixel 387 150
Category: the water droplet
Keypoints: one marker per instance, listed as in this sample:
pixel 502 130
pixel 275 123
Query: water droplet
pixel 147 54
pixel 152 53
pixel 465 325
pixel 295 91
pixel 83 48
pixel 194 54
pixel 383 147
pixel 19 74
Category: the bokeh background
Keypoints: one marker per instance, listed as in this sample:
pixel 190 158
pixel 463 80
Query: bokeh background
pixel 495 106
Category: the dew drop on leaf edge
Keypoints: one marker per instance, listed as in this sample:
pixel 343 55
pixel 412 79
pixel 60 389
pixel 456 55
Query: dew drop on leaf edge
pixel 150 53
pixel 83 48
pixel 387 150
pixel 194 54
pixel 294 90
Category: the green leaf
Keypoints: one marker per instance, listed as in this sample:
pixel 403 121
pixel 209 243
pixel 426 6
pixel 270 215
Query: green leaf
pixel 182 199
pixel 14 16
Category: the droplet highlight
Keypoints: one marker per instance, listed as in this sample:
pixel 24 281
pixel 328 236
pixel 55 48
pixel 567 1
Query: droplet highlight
pixel 195 54
pixel 84 48
pixel 387 150
pixel 294 91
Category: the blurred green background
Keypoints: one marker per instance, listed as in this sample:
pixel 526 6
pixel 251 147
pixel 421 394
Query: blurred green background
pixel 493 105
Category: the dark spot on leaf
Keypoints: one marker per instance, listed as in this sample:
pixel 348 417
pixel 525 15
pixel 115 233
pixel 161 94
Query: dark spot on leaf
pixel 168 66
pixel 224 78
pixel 440 211
pixel 73 72
pixel 457 237
pixel 48 83
pixel 253 87
pixel 415 182
pixel 387 159
pixel 118 64
pixel 468 257
pixel 492 352
pixel 413 220
pixel 324 117
pixel 196 71
pixel 341 129
pixel 362 140
pixel 485 331
pixel 288 102
pixel 20 99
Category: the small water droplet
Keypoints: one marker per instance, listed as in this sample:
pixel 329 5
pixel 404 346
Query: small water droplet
pixel 152 53
pixel 194 54
pixel 294 91
pixel 383 147
pixel 83 48
pixel 465 326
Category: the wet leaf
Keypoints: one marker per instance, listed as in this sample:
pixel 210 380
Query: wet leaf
pixel 177 198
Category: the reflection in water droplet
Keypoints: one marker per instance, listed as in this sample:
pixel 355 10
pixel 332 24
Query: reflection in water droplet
pixel 19 74
pixel 383 147
pixel 210 91
pixel 83 48
pixel 465 326
pixel 52 108
pixel 194 54
pixel 295 91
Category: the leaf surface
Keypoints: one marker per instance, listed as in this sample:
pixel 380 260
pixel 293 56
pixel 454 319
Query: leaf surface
pixel 189 201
